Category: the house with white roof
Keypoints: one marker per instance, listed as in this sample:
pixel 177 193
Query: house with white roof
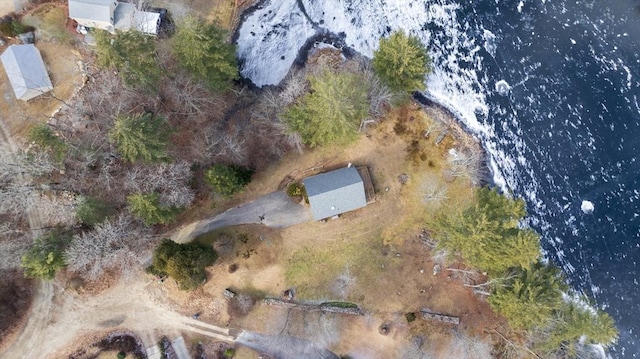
pixel 113 15
pixel 26 71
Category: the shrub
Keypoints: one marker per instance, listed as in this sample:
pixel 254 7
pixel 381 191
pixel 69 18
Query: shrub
pixel 184 262
pixel 229 353
pixel 227 180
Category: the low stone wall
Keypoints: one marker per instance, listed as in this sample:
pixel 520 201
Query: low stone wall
pixel 324 307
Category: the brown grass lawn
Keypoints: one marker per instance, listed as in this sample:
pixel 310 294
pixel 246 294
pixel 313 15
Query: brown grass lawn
pixel 61 60
pixel 371 256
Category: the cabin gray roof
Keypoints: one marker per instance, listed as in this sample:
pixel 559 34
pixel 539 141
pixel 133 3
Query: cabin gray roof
pixel 26 71
pixel 93 10
pixel 335 192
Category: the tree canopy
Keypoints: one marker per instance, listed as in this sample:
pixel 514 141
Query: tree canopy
pixel 46 256
pixel 227 180
pixel 488 235
pixel 201 49
pixel 530 298
pixel 576 324
pixel 333 111
pixel 185 262
pixel 142 136
pixel 133 55
pixel 147 208
pixel 402 62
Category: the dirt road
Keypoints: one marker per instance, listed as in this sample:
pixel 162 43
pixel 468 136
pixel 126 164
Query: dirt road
pixel 275 210
pixel 284 346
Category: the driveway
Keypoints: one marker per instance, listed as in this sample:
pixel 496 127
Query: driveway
pixel 275 210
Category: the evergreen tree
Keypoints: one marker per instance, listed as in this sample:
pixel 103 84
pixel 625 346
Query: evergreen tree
pixel 147 208
pixel 576 325
pixel 227 180
pixel 530 299
pixel 142 136
pixel 43 136
pixel 92 211
pixel 333 111
pixel 488 235
pixel 202 50
pixel 402 62
pixel 133 55
pixel 185 263
pixel 45 257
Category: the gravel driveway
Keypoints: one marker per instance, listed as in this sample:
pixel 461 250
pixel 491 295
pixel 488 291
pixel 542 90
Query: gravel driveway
pixel 275 210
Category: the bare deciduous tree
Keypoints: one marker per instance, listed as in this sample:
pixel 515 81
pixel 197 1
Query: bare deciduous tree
pixel 116 244
pixel 468 163
pixel 169 180
pixel 433 192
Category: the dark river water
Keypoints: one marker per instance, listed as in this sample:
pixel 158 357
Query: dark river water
pixel 551 87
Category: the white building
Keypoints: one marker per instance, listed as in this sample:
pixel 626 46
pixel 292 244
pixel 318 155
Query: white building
pixel 112 15
pixel 26 71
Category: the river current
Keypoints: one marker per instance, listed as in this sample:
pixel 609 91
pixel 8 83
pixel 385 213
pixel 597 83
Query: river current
pixel 551 87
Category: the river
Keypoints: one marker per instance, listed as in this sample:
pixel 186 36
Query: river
pixel 551 87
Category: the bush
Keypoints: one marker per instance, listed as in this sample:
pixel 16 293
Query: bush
pixel 297 189
pixel 229 353
pixel 227 180
pixel 402 62
pixel 45 257
pixel 185 262
pixel 92 211
pixel 122 355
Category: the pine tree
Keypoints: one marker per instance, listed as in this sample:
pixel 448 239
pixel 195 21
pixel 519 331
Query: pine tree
pixel 133 55
pixel 333 111
pixel 488 236
pixel 574 325
pixel 530 299
pixel 227 180
pixel 46 256
pixel 185 263
pixel 148 209
pixel 402 62
pixel 202 50
pixel 142 136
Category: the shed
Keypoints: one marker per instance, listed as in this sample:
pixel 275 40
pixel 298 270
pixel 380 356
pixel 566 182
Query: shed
pixel 97 14
pixel 335 192
pixel 26 71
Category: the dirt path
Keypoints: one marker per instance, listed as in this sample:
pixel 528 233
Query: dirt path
pixel 284 346
pixel 275 210
pixel 42 302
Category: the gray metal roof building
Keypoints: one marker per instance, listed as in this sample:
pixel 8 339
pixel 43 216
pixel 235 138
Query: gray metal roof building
pixel 26 71
pixel 335 192
pixel 93 13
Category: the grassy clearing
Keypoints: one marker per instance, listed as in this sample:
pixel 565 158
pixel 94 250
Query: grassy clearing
pixel 315 270
pixel 50 21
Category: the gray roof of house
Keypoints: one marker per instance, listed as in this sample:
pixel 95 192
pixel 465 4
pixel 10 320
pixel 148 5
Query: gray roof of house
pixel 26 71
pixel 94 10
pixel 335 192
